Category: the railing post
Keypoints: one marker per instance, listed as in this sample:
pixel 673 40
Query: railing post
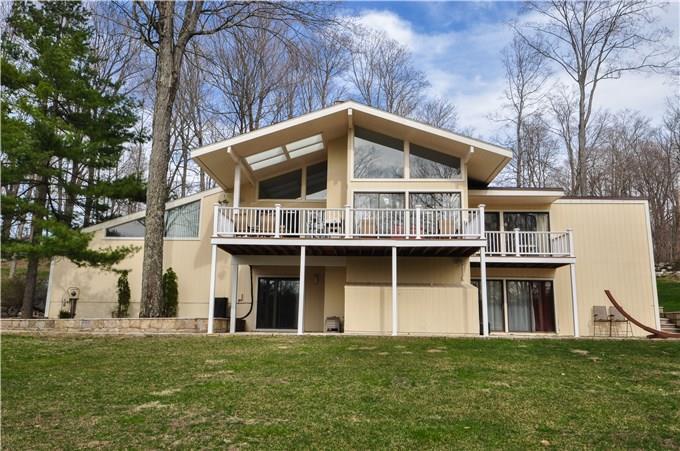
pixel 482 232
pixel 216 222
pixel 516 230
pixel 348 222
pixel 418 208
pixel 277 221
pixel 570 244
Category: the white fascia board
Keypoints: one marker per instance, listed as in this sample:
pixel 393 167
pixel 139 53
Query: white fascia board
pixel 222 145
pixel 341 242
pixel 140 214
pixel 514 193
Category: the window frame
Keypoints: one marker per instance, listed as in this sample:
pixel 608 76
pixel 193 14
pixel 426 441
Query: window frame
pixel 407 164
pixel 142 216
pixel 407 194
pixel 506 322
pixel 303 188
pixel 501 216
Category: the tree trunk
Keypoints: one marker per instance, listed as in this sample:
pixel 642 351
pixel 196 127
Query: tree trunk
pixel 156 195
pixel 581 171
pixel 33 259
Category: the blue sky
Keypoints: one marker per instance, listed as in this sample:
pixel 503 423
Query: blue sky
pixel 458 45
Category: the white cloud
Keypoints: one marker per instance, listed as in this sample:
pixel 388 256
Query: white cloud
pixel 465 67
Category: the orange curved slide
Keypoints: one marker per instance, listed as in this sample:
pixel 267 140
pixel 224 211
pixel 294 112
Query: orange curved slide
pixel 654 333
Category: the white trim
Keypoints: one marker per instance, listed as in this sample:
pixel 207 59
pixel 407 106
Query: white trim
pixel 291 260
pixel 652 269
pixel 211 299
pixel 354 106
pixel 301 293
pixel 574 300
pixel 527 259
pixel 48 298
pixel 386 242
pixel 482 287
pixel 142 213
pixel 395 306
pixel 233 294
pixel 514 193
pixel 601 201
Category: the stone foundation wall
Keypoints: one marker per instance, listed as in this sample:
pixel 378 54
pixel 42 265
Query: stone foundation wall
pixel 114 325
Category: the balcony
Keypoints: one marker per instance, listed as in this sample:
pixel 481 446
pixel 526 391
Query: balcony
pixel 519 248
pixel 333 231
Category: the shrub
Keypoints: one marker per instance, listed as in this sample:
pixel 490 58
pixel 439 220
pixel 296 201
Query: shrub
pixel 123 295
pixel 170 294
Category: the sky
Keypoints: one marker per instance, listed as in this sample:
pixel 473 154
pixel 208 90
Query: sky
pixel 458 46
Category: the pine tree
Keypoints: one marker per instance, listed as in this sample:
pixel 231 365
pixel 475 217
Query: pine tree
pixel 60 121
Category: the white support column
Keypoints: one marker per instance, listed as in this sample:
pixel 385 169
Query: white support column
pixel 233 296
pixel 395 306
pixel 211 301
pixel 574 298
pixel 482 286
pixel 236 201
pixel 48 298
pixel 301 293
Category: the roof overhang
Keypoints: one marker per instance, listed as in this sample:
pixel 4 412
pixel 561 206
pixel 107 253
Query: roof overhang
pixel 514 196
pixel 484 160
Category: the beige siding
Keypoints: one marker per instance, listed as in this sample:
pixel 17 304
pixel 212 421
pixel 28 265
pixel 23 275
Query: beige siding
pixel 422 310
pixel 612 250
pixel 190 259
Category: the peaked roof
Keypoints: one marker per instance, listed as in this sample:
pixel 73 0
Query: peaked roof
pixel 268 149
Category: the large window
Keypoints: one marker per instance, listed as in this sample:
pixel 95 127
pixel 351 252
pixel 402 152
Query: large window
pixel 277 303
pixel 377 156
pixel 526 222
pixel 529 304
pixel 379 200
pixel 180 222
pixel 285 186
pixel 434 200
pixel 316 181
pixel 426 163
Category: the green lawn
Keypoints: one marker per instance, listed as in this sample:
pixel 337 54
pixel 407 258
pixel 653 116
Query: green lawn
pixel 669 293
pixel 338 392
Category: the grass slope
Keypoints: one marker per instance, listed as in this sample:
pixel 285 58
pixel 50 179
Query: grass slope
pixel 338 392
pixel 669 293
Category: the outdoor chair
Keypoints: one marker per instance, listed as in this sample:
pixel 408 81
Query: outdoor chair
pixel 600 317
pixel 617 318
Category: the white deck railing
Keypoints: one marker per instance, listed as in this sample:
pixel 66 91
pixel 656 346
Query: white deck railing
pixel 518 243
pixel 417 223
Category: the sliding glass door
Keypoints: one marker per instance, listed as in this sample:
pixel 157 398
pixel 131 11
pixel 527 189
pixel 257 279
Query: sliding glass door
pixel 529 303
pixel 277 302
pixel 530 306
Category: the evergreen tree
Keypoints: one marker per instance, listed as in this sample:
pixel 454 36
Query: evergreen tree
pixel 60 122
pixel 170 294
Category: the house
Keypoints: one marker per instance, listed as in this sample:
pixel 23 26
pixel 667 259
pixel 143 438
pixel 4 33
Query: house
pixel 355 219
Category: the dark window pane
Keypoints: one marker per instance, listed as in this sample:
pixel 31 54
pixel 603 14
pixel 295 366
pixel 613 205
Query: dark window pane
pixel 426 163
pixel 277 303
pixel 492 221
pixel 526 222
pixel 132 229
pixel 379 200
pixel 182 221
pixel 434 200
pixel 285 186
pixel 316 181
pixel 377 156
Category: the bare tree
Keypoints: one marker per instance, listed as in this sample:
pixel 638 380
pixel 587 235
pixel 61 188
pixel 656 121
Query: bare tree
pixel 526 74
pixel 166 28
pixel 592 41
pixel 438 112
pixel 383 74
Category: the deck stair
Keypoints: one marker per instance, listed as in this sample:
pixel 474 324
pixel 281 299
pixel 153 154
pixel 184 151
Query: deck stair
pixel 667 325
